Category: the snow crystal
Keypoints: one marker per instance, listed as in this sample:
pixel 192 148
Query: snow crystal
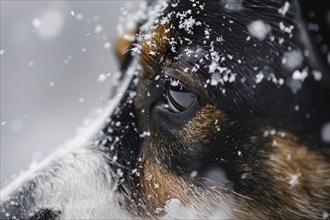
pixel 102 77
pixel 51 84
pixel 193 174
pixel 317 75
pixel 294 179
pixel 284 9
pixel 148 177
pixel 259 77
pixel 220 39
pixel 266 133
pixel 2 52
pixel 288 157
pixel 131 38
pixel 31 64
pixel 296 107
pixel 274 143
pixel 175 83
pixel 232 5
pixel 3 123
pixel 120 172
pixel 134 171
pixel 114 159
pixel 81 100
pixel 215 79
pixel 50 24
pixel 216 177
pixel 295 85
pixel 79 17
pixel 172 205
pixel 243 176
pixel 98 29
pixel 207 34
pixel 259 29
pixel 286 29
pixel 72 13
pixel 325 132
pixel 187 25
pixel 299 75
pixel 170 208
pixel 67 60
pixel 83 50
pixel 212 67
pixel 292 59
pixel 107 45
pixel 36 22
pixel 145 134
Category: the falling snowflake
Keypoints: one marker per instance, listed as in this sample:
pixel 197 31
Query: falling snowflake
pixel 294 179
pixel 259 29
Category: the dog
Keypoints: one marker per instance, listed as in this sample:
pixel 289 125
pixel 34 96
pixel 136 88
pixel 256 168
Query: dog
pixel 222 112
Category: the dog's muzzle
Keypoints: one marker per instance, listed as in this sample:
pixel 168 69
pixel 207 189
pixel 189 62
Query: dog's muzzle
pixel 81 179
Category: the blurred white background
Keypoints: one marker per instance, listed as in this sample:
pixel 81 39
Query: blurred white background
pixel 54 56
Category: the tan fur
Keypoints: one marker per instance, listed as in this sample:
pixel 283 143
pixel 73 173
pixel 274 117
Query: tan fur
pixel 301 175
pixel 156 45
pixel 207 122
pixel 157 187
pixel 123 46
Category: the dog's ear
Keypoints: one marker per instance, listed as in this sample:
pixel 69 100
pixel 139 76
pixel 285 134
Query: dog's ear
pixel 124 44
pixel 128 38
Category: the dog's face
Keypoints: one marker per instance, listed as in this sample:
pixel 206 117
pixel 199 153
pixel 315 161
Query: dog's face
pixel 222 113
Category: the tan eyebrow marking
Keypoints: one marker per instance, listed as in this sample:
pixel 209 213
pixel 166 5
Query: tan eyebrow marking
pixel 157 43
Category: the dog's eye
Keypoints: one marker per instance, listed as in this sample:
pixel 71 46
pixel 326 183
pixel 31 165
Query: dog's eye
pixel 179 98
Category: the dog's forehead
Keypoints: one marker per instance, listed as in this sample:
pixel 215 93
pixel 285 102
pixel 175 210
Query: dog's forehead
pixel 208 39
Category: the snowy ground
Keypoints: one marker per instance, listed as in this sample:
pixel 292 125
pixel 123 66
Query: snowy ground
pixel 55 58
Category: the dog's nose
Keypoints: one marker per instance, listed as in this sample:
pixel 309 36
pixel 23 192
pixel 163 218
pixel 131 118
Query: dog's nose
pixel 45 214
pixel 22 204
pixel 14 210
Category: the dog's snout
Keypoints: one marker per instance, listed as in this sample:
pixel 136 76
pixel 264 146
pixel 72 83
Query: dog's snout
pixel 19 204
pixel 45 214
pixel 23 205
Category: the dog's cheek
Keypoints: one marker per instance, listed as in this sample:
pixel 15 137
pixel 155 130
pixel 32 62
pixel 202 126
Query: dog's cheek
pixel 301 175
pixel 207 123
pixel 161 193
pixel 163 179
